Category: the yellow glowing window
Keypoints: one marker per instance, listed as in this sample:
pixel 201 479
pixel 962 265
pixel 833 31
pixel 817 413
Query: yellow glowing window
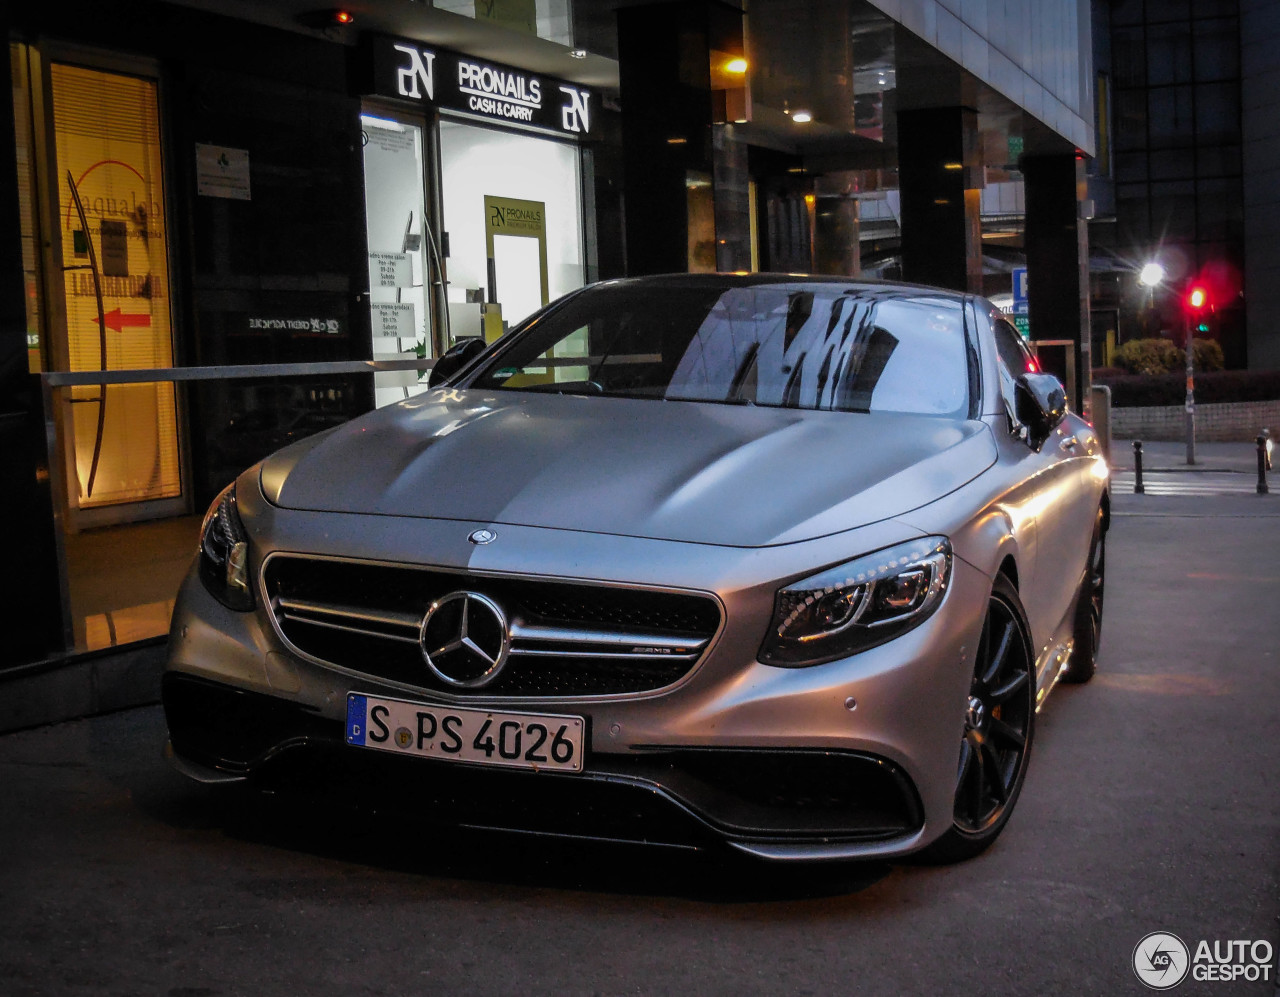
pixel 115 259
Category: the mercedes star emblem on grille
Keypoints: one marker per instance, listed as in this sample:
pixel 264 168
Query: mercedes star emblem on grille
pixel 465 639
pixel 483 537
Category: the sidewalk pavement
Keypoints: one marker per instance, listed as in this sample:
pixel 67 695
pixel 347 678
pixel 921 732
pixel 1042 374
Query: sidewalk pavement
pixel 1160 455
pixel 1223 471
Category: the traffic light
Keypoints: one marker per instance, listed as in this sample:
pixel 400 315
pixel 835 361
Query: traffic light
pixel 1197 298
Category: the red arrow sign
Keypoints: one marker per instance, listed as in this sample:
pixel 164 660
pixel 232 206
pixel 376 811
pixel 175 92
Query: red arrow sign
pixel 116 321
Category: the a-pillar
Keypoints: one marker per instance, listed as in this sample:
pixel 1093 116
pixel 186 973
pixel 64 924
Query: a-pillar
pixel 939 185
pixel 668 141
pixel 1057 244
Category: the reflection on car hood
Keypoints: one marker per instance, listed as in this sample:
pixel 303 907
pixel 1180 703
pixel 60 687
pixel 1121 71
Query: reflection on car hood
pixel 721 474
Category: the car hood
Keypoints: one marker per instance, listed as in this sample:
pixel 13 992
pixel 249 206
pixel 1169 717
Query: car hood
pixel 734 475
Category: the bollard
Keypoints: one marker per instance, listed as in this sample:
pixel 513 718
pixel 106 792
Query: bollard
pixel 1264 461
pixel 1138 489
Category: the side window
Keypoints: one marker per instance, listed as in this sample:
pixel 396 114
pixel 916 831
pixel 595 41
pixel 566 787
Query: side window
pixel 1014 358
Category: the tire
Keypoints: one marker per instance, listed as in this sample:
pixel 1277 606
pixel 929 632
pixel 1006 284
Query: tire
pixel 999 724
pixel 1087 633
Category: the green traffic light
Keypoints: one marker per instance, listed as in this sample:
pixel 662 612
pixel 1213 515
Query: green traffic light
pixel 1202 327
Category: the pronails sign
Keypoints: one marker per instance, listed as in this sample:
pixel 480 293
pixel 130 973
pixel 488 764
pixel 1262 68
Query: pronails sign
pixel 410 70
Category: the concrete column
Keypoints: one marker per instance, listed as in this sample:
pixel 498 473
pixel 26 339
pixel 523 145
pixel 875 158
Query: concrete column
pixel 664 62
pixel 1057 243
pixel 731 190
pixel 940 185
pixel 30 612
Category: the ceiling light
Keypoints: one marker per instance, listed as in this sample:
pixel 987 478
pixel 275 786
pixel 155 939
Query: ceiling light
pixel 801 117
pixel 321 20
pixel 577 53
pixel 738 65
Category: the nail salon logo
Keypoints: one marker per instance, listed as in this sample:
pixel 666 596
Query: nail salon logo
pixel 575 115
pixel 420 69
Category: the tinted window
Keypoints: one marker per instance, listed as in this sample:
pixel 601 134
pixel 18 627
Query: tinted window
pixel 815 346
pixel 1014 356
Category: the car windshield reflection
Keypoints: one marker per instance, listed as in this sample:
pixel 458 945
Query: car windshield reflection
pixel 825 346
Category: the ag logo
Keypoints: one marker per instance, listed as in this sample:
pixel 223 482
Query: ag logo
pixel 1161 960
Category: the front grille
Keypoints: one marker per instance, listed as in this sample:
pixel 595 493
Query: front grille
pixel 567 639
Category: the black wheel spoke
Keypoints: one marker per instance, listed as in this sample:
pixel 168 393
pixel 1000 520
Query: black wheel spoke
pixel 994 772
pixel 998 658
pixel 966 761
pixel 984 642
pixel 1007 733
pixel 1015 683
pixel 976 786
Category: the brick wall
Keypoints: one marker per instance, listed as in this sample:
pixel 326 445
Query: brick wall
pixel 1227 422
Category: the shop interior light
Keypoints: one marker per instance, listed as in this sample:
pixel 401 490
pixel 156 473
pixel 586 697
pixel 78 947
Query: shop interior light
pixel 577 53
pixel 738 66
pixel 801 117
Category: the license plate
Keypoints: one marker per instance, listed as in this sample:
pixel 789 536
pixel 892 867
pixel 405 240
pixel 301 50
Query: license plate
pixel 515 740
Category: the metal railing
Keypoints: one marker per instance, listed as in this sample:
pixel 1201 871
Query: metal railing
pixel 53 383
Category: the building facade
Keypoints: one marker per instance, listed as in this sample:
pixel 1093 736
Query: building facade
pixel 229 226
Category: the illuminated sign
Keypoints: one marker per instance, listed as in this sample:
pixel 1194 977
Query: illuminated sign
pixel 436 77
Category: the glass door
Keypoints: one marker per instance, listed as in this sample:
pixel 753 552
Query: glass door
pixel 401 250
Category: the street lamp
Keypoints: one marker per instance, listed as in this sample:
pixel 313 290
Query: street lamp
pixel 1151 275
pixel 1195 299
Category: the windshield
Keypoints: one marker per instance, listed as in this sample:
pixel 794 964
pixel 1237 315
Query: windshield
pixel 860 348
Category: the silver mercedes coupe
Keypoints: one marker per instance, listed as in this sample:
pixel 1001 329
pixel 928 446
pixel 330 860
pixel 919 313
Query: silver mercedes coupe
pixel 785 564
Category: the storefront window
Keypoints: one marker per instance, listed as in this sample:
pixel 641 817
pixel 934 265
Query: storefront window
pixel 399 240
pixel 513 214
pixel 116 285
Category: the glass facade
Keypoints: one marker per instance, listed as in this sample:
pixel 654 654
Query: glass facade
pixel 1177 146
pixel 548 19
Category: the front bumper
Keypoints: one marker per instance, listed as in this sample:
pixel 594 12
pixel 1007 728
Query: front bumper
pixel 775 804
pixel 852 758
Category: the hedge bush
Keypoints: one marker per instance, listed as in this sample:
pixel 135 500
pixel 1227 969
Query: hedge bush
pixel 1149 356
pixel 1138 390
pixel 1160 356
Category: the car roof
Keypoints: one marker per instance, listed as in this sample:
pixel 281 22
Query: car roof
pixel 736 279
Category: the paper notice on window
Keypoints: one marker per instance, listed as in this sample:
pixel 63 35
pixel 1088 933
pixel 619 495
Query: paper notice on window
pixel 390 270
pixel 115 248
pixel 394 320
pixel 222 172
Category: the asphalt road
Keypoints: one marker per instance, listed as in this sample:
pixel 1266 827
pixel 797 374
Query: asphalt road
pixel 1152 804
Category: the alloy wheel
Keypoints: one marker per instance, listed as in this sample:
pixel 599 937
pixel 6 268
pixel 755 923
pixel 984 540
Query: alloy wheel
pixel 997 723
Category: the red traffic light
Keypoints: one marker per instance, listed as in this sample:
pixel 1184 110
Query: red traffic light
pixel 1197 298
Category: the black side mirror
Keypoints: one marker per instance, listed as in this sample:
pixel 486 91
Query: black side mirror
pixel 454 359
pixel 1040 403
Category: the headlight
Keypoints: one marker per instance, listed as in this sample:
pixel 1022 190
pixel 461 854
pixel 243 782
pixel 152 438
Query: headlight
pixel 859 604
pixel 224 553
